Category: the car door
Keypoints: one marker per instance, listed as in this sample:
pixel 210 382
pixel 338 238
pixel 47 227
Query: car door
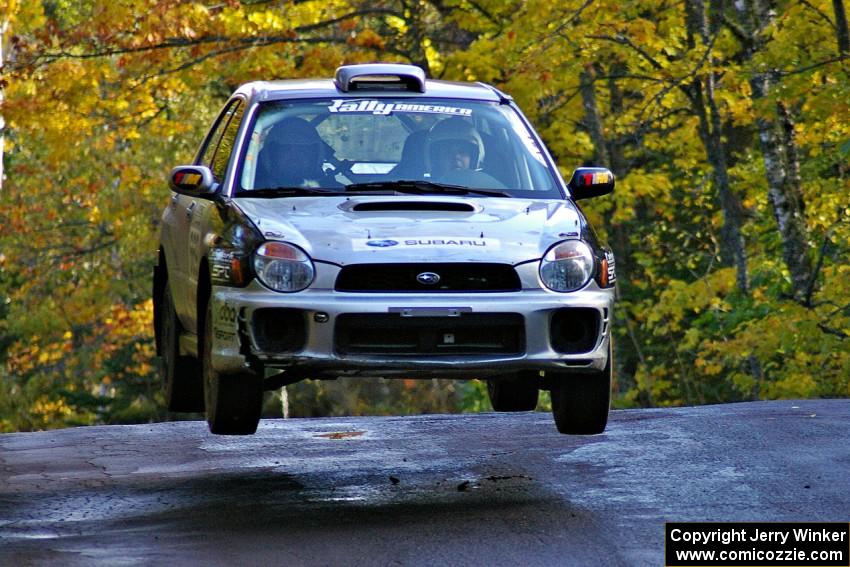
pixel 179 218
pixel 198 211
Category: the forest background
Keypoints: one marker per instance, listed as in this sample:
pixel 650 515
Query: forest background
pixel 726 123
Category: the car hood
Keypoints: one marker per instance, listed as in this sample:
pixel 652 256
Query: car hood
pixel 375 229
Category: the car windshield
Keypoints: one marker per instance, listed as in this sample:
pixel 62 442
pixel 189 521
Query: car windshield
pixel 392 145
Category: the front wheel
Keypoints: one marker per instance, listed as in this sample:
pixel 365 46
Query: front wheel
pixel 234 402
pixel 182 384
pixel 514 393
pixel 580 402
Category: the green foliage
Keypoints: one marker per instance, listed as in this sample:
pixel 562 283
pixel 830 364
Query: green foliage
pixel 101 99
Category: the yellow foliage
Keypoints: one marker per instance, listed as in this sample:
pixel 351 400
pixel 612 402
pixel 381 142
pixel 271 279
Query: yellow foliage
pixel 49 412
pixel 91 137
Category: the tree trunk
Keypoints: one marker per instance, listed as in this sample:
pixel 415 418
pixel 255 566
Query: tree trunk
pixel 781 161
pixel 591 117
pixel 609 154
pixel 4 25
pixel 732 245
pixel 701 94
pixel 615 94
pixel 620 235
pixel 841 30
pixel 782 169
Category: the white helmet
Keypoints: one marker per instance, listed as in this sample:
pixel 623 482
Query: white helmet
pixel 450 131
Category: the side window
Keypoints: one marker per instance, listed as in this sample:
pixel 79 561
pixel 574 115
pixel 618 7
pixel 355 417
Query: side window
pixel 215 135
pixel 220 143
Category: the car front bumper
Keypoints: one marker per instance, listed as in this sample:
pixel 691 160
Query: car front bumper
pixel 322 333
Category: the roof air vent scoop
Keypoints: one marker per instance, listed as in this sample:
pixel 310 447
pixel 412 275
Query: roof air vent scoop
pixel 380 77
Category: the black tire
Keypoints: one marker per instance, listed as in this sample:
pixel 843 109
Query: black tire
pixel 182 383
pixel 234 402
pixel 580 402
pixel 514 393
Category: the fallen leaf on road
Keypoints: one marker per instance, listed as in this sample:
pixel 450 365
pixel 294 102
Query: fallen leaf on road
pixel 341 434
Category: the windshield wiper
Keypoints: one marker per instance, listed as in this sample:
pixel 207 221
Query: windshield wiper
pixel 285 192
pixel 421 187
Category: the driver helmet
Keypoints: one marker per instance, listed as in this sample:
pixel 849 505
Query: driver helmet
pixel 447 135
pixel 299 148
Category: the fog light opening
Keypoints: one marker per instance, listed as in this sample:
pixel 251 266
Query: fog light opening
pixel 574 330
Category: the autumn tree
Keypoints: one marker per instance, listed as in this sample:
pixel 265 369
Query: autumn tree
pixel 725 123
pixel 103 98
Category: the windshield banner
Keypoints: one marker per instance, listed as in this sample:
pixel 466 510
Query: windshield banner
pixel 375 107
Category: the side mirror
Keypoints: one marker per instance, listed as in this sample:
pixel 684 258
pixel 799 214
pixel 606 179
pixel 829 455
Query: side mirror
pixel 588 182
pixel 193 180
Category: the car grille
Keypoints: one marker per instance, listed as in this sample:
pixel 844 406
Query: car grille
pixel 393 334
pixel 456 277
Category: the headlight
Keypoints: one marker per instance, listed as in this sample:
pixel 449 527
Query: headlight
pixel 567 266
pixel 283 267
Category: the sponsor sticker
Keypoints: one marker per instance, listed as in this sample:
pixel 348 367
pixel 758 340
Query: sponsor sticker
pixel 385 108
pixel 612 267
pixel 227 314
pixel 425 242
pixel 224 323
pixel 381 243
pixel 220 265
pixel 224 336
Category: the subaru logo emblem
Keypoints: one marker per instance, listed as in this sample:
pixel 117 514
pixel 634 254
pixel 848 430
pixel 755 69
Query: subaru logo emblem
pixel 428 278
pixel 381 243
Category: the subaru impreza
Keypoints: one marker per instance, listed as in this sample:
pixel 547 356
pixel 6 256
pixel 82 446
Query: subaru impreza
pixel 381 224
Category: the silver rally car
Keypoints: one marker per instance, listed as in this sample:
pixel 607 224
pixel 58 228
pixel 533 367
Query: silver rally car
pixel 381 224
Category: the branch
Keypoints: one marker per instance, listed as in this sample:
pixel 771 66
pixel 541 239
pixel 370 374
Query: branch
pixel 677 83
pixel 642 128
pixel 259 42
pixel 552 104
pixel 76 252
pixel 839 309
pixel 52 57
pixel 191 63
pixel 647 78
pixel 350 15
pixel 737 30
pixel 819 12
pixel 825 62
pixel 544 43
pixel 830 331
pixel 481 10
pixel 179 42
pixel 623 40
pixel 62 226
pixel 810 289
pixel 137 117
pixel 576 15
